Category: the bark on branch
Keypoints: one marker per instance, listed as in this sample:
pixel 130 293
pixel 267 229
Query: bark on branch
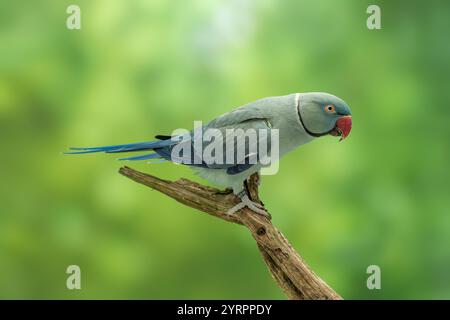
pixel 288 269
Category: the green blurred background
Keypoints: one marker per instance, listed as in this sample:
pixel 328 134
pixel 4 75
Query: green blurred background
pixel 143 67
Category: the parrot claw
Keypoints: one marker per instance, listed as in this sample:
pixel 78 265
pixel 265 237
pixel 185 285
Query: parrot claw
pixel 246 202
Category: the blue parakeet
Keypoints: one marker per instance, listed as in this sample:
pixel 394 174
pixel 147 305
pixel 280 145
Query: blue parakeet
pixel 297 118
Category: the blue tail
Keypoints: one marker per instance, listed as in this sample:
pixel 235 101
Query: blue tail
pixel 143 157
pixel 140 146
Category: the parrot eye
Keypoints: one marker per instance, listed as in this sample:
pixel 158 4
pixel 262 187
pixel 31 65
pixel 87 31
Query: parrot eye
pixel 330 108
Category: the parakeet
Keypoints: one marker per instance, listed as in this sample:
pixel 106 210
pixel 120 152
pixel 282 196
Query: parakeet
pixel 297 118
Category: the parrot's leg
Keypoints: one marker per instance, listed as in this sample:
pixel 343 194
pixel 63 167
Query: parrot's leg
pixel 246 202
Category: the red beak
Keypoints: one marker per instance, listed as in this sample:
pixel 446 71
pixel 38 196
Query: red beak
pixel 344 126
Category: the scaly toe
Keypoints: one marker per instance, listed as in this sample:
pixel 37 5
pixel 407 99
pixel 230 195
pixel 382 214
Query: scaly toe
pixel 259 210
pixel 258 205
pixel 246 202
pixel 236 208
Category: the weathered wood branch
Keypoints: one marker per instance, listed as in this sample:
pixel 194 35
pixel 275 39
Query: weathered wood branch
pixel 288 269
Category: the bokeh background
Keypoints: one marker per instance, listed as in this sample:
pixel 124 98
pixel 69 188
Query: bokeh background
pixel 143 67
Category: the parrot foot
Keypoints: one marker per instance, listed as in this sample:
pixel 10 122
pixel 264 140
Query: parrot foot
pixel 246 202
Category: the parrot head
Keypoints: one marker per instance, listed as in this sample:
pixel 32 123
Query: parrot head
pixel 324 114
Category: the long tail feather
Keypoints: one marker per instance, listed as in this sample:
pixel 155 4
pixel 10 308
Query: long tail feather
pixel 143 157
pixel 140 146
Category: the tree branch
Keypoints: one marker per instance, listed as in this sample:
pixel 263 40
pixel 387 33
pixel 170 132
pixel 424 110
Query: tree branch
pixel 288 269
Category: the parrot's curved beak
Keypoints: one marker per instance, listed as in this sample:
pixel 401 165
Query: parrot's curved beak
pixel 343 127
